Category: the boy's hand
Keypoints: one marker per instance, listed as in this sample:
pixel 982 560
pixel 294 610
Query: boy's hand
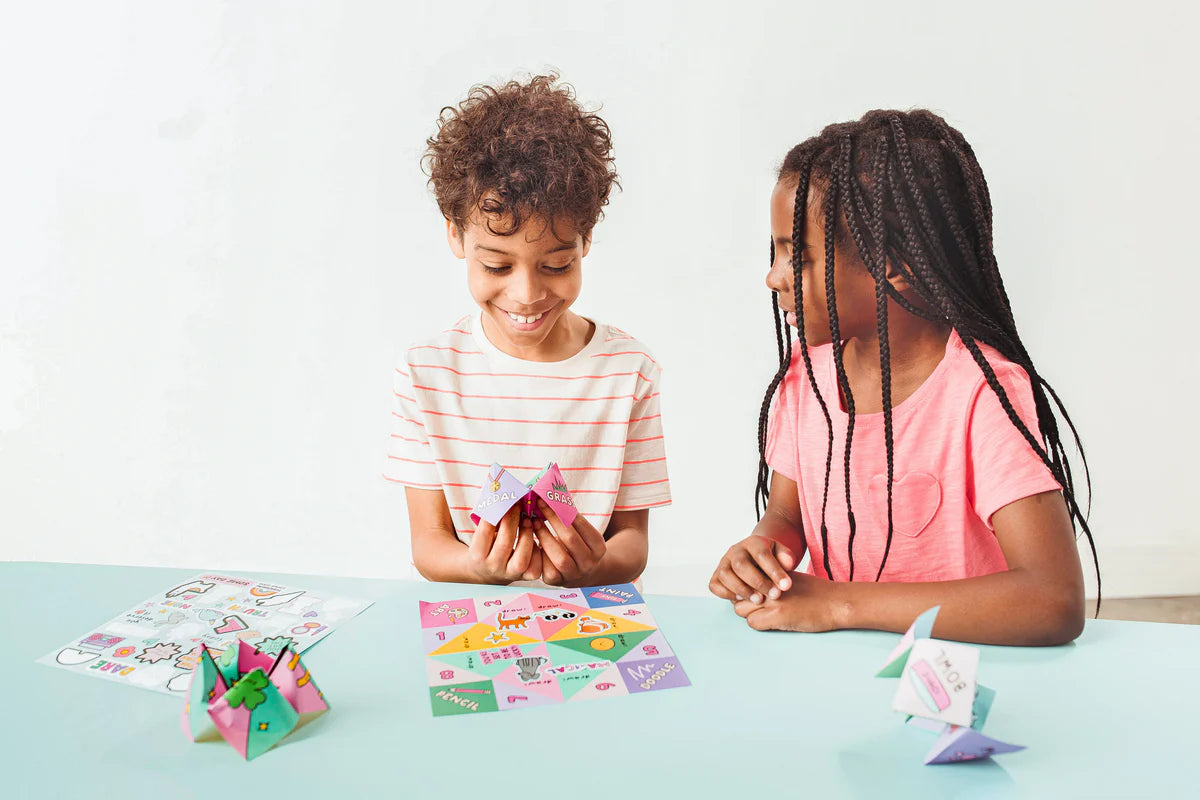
pixel 570 552
pixel 754 569
pixel 492 556
pixel 811 605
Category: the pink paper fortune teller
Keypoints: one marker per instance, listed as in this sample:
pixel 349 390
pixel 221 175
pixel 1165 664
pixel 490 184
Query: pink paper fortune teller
pixel 251 698
pixel 501 491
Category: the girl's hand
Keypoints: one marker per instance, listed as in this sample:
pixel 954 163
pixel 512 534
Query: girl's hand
pixel 811 605
pixel 492 556
pixel 569 552
pixel 754 569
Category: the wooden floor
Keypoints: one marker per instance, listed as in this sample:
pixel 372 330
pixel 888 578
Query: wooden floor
pixel 1150 609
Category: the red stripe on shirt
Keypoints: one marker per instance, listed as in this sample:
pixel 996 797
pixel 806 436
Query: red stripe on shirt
pixel 627 353
pixel 510 468
pixel 646 460
pixel 526 375
pixel 414 485
pixel 405 438
pixel 408 419
pixel 527 397
pixel 645 483
pixel 530 421
pixel 454 349
pixel 638 508
pixel 411 460
pixel 530 444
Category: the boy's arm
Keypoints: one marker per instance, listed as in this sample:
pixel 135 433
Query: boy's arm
pixel 495 555
pixel 579 555
pixel 1038 600
pixel 627 543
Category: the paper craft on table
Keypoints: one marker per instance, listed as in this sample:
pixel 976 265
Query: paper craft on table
pixel 939 691
pixel 501 491
pixel 250 698
pixel 542 647
pixel 155 645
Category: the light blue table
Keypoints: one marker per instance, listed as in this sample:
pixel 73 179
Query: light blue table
pixel 768 716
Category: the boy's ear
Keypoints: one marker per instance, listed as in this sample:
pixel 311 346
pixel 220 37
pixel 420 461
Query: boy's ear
pixel 455 240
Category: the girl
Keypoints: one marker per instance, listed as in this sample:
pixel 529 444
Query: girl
pixel 911 449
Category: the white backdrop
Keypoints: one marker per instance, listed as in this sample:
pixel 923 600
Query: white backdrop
pixel 215 238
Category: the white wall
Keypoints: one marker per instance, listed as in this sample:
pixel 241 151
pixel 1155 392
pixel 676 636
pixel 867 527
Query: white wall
pixel 215 238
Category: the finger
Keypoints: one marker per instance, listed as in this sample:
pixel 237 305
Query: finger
pixel 746 567
pixel 554 551
pixel 787 559
pixel 762 619
pixel 550 573
pixel 533 572
pixel 506 539
pixel 566 534
pixel 481 541
pixel 518 562
pixel 735 585
pixel 744 608
pixel 768 561
pixel 716 587
pixel 593 538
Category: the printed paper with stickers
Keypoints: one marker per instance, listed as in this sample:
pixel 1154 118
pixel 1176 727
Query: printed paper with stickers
pixel 542 647
pixel 155 645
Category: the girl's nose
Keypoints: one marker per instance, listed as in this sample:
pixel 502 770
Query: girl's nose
pixel 779 277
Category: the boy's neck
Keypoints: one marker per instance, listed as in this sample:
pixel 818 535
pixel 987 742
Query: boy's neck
pixel 569 335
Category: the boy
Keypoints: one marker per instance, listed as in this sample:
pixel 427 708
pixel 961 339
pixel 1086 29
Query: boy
pixel 521 173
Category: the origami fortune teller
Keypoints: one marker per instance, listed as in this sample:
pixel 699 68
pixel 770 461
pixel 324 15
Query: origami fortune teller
pixel 501 491
pixel 250 698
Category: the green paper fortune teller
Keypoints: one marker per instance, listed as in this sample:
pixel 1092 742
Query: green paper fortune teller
pixel 250 698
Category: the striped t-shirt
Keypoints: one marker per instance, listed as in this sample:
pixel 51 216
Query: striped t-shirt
pixel 461 404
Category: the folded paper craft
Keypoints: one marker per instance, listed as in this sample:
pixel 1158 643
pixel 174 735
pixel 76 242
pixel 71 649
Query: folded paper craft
pixel 501 491
pixel 939 691
pixel 251 698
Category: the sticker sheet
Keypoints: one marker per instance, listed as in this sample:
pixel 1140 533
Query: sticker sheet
pixel 155 645
pixel 542 647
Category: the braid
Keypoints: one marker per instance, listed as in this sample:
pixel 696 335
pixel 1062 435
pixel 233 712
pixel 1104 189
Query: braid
pixel 799 214
pixel 927 211
pixel 762 489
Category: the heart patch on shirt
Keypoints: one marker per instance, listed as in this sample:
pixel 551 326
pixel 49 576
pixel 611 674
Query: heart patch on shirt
pixel 916 498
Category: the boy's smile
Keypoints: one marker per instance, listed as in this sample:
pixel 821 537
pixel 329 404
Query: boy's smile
pixel 525 282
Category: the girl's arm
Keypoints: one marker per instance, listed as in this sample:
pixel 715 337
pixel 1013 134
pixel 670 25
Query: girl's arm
pixel 1037 601
pixel 490 558
pixel 760 565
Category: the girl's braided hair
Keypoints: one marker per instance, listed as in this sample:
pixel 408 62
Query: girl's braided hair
pixel 906 188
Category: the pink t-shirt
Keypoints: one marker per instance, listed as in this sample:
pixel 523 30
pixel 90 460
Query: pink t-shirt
pixel 957 460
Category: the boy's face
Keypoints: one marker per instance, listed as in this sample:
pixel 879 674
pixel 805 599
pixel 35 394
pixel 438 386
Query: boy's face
pixel 525 283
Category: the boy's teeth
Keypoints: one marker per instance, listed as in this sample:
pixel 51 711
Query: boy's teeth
pixel 524 320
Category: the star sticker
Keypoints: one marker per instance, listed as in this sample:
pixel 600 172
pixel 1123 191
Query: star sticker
pixel 496 638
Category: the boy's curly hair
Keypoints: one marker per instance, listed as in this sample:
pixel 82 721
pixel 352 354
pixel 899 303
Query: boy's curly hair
pixel 518 151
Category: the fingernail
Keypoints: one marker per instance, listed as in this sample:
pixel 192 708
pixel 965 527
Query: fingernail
pixel 773 594
pixel 756 598
pixel 785 584
pixel 739 597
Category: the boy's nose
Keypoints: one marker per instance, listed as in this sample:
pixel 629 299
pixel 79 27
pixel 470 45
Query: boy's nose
pixel 526 289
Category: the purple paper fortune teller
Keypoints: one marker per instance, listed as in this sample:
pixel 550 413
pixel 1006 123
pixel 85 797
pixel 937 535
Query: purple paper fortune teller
pixel 501 491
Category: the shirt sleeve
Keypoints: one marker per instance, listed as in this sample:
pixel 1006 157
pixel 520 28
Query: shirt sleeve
pixel 1003 468
pixel 410 458
pixel 781 448
pixel 644 482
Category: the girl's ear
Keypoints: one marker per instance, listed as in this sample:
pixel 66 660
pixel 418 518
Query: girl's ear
pixel 897 275
pixel 455 240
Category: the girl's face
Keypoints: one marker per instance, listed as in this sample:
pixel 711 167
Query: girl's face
pixel 525 283
pixel 853 284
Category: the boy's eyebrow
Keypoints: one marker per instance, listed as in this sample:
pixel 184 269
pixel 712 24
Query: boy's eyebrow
pixel 559 249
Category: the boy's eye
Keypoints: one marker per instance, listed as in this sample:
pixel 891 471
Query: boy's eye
pixel 494 270
pixel 556 270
